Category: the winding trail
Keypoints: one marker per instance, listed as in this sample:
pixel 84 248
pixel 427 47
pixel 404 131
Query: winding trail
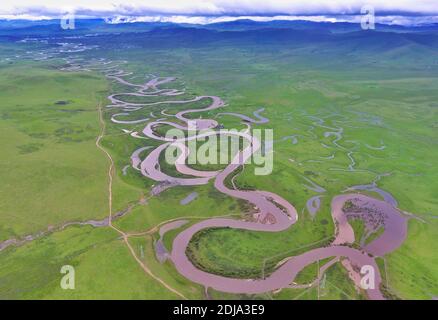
pixel 273 213
pixel 124 235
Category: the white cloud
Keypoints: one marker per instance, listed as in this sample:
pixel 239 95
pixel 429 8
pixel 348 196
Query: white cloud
pixel 207 11
pixel 390 19
pixel 216 19
pixel 214 7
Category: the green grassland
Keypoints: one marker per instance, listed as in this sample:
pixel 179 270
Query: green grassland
pixel 166 206
pixel 247 254
pixel 104 269
pixel 52 171
pixel 165 271
pixel 391 105
pixel 335 286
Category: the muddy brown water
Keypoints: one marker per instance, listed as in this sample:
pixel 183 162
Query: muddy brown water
pixel 274 213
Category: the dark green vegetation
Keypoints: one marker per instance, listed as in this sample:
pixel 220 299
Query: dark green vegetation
pixel 380 88
pixel 247 254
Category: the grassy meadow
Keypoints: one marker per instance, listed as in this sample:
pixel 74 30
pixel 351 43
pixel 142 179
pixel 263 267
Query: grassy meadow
pixel 388 118
pixel 379 98
pixel 51 170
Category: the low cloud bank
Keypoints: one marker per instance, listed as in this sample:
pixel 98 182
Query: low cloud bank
pixel 405 12
pixel 390 20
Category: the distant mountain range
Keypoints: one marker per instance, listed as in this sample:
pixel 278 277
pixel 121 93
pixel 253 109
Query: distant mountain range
pixel 237 25
pixel 331 37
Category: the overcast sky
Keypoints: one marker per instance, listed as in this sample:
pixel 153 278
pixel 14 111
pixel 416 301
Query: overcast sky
pixel 202 8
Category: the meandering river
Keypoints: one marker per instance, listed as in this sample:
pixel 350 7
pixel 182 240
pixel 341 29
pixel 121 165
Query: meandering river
pixel 274 213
